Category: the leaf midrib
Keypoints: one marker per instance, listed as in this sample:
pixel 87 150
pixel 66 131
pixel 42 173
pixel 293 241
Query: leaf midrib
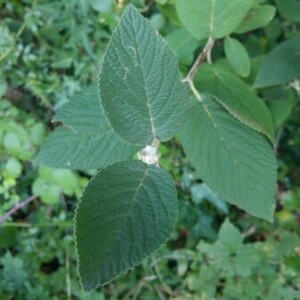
pixel 235 161
pixel 121 226
pixel 144 81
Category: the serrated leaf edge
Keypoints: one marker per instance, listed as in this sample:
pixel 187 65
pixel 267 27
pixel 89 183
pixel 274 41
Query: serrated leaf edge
pixel 131 6
pixel 243 119
pixel 129 268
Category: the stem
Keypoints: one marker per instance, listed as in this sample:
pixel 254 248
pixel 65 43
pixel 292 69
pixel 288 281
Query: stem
pixel 202 56
pixel 68 277
pixel 16 208
pixel 194 69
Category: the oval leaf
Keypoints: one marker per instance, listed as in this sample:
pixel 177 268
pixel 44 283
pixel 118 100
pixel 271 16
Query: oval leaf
pixel 86 139
pixel 236 97
pixel 256 18
pixel 289 9
pixel 237 56
pixel 140 87
pixel 281 66
pixel 126 212
pixel 235 161
pixel 212 18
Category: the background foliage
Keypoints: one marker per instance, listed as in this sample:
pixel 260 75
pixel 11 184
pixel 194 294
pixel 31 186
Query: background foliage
pixel 49 50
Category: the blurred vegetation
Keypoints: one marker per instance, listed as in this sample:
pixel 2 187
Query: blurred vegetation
pixel 49 50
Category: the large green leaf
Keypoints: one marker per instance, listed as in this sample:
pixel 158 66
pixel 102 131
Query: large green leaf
pixel 236 162
pixel 237 56
pixel 126 212
pixel 212 18
pixel 281 65
pixel 289 9
pixel 238 99
pixel 256 18
pixel 85 140
pixel 140 86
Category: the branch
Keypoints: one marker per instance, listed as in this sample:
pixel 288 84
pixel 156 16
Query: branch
pixel 202 56
pixel 194 69
pixel 16 208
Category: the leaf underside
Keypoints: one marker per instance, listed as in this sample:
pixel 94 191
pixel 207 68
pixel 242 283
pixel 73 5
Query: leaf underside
pixel 140 86
pixel 85 140
pixel 127 211
pixel 235 161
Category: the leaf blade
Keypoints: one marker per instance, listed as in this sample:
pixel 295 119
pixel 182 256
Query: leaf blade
pixel 86 140
pixel 236 162
pixel 257 17
pixel 234 95
pixel 140 87
pixel 212 18
pixel 133 208
pixel 237 56
pixel 281 66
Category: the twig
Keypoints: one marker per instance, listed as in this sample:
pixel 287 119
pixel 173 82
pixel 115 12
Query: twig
pixel 16 208
pixel 202 56
pixel 68 278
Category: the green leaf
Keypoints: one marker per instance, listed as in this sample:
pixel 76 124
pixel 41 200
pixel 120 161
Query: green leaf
pixel 103 6
pixel 237 56
pixel 289 9
pixel 212 18
pixel 13 274
pixel 236 97
pixel 229 254
pixel 257 17
pixel 126 212
pixel 236 162
pixel 281 66
pixel 49 192
pixel 86 139
pixel 140 87
pixel 281 102
pixel 183 43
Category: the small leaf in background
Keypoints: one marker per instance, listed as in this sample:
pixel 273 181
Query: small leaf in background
pixel 281 65
pixel 86 139
pixel 12 274
pixel 212 18
pixel 201 192
pixel 103 6
pixel 237 56
pixel 47 191
pixel 3 88
pixel 235 161
pixel 229 255
pixel 161 2
pixel 281 102
pixel 237 98
pixel 37 133
pixel 126 212
pixel 13 167
pixel 289 9
pixel 140 88
pixel 257 17
pixel 158 21
pixel 184 44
